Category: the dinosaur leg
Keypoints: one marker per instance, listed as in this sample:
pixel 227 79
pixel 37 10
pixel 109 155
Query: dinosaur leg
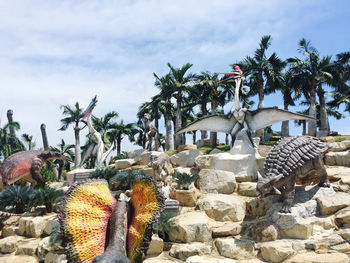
pixel 288 195
pixel 234 132
pixel 319 166
pixel 35 171
pixel 245 124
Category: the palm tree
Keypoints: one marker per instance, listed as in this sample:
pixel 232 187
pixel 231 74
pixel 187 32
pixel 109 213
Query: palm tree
pixel 309 76
pixel 9 143
pixel 180 85
pixel 260 71
pixel 63 149
pixel 28 140
pixel 74 116
pixel 118 133
pixel 104 124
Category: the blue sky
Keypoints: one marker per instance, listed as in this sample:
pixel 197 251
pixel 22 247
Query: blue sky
pixel 60 52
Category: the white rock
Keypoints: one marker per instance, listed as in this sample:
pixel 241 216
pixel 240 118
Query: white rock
pixel 135 153
pixel 124 163
pixel 9 244
pixel 276 251
pixel 223 207
pixel 27 247
pixel 214 151
pixel 33 226
pixel 78 174
pixel 331 204
pixel 235 248
pixel 183 251
pixel 156 246
pixel 187 170
pixel 54 258
pixel 190 227
pixel 339 146
pixel 51 224
pixel 342 217
pixel 185 197
pixel 259 206
pixel 45 247
pixel 9 231
pixel 185 158
pixel 144 158
pixel 338 158
pixel 209 259
pixel 312 257
pixel 247 189
pixel 338 172
pixel 224 229
pixel 216 181
pixel 18 259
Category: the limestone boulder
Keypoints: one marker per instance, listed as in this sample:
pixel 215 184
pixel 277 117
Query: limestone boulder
pixel 34 226
pixel 205 143
pixel 9 231
pixel 264 150
pixel 27 247
pixel 276 251
pixel 331 204
pixel 312 257
pixel 187 170
pixel 124 163
pixel 209 259
pixel 9 244
pixel 259 206
pixel 183 251
pixel 216 181
pixel 247 189
pixel 134 154
pixel 225 229
pixel 223 207
pixel 214 151
pixel 190 227
pixel 143 158
pixel 156 246
pixel 185 197
pixel 18 259
pixel 55 258
pixel 338 158
pixel 339 172
pixel 185 158
pixel 161 259
pixel 339 146
pixel 44 247
pixel 181 148
pixel 51 224
pixel 342 217
pixel 235 248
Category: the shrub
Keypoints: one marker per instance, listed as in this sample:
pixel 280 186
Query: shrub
pixel 123 180
pixel 164 226
pixel 47 172
pixel 103 173
pixel 18 197
pixel 184 179
pixel 123 155
pixel 47 196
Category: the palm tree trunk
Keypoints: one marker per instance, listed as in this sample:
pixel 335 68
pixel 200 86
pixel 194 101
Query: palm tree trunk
pixel 312 112
pixel 44 136
pixel 285 124
pixel 194 137
pixel 324 127
pixel 168 131
pixel 260 133
pixel 119 142
pixel 226 139
pixel 77 158
pixel 156 120
pixel 213 135
pixel 178 122
pixel 304 126
pixel 204 134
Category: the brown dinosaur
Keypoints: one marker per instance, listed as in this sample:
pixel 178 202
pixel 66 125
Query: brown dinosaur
pixel 26 165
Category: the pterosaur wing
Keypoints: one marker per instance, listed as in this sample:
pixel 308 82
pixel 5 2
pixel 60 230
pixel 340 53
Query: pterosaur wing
pixel 215 123
pixel 262 118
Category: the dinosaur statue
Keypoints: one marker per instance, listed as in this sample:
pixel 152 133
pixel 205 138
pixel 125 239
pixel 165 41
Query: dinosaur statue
pixel 291 158
pixel 96 148
pixel 151 132
pixel 240 117
pixel 97 228
pixel 26 165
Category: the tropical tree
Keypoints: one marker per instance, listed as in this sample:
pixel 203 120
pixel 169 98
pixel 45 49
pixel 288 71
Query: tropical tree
pixel 180 82
pixel 260 72
pixel 309 75
pixel 119 131
pixel 28 140
pixel 9 143
pixel 104 124
pixel 74 115
pixel 66 150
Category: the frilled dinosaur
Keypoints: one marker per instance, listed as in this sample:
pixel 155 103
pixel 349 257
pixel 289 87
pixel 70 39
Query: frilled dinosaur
pixel 291 158
pixel 26 165
pixel 96 228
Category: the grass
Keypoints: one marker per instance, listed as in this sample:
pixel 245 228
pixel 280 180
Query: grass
pixel 341 138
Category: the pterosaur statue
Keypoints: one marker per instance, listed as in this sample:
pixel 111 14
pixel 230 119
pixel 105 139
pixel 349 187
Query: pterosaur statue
pixel 96 148
pixel 240 117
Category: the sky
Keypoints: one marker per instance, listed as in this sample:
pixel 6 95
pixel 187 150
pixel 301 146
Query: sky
pixel 55 53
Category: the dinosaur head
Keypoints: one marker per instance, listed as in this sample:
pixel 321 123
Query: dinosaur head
pixel 265 186
pixel 48 155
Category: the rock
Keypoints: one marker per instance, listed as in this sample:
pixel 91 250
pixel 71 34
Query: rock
pixel 216 181
pixel 329 139
pixel 185 158
pixel 190 227
pixel 214 151
pixel 260 162
pixel 185 197
pixel 156 246
pixel 52 223
pixel 338 158
pixel 183 251
pixel 264 150
pixel 334 242
pixel 60 185
pixel 312 257
pixel 9 244
pixel 338 172
pixel 136 153
pixel 301 230
pixel 78 174
pixel 264 231
pixel 124 163
pixel 235 248
pixel 223 207
pixel 9 231
pixel 55 258
pixel 18 259
pixel 331 204
pixel 258 207
pixel 182 148
pixel 187 170
pixel 206 161
pixel 339 146
pixel 342 217
pixel 208 259
pixel 276 251
pixel 205 143
pixel 247 189
pixel 160 259
pixel 144 158
pixel 226 229
pixel 33 226
pixel 45 247
pixel 27 247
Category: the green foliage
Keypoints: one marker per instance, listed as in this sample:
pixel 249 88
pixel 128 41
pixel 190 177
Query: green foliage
pixel 55 237
pixel 205 150
pixel 123 155
pixel 18 197
pixel 224 148
pixel 170 152
pixel 185 179
pixel 47 172
pixel 341 138
pixel 46 196
pixel 164 226
pixel 123 180
pixel 103 173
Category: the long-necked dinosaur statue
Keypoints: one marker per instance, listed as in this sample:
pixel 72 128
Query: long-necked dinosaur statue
pixel 97 228
pixel 26 165
pixel 240 117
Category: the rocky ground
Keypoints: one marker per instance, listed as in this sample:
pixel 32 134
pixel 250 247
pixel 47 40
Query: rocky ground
pixel 220 219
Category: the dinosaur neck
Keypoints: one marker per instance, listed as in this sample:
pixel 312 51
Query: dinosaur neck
pixel 237 102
